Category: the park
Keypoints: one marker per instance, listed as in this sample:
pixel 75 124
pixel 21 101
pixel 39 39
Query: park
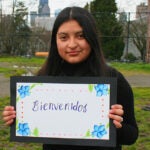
pixel 125 43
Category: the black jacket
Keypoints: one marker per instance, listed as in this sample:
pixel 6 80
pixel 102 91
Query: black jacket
pixel 126 135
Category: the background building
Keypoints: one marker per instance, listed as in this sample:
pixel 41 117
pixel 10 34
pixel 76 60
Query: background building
pixel 42 18
pixel 33 15
pixel 43 9
pixel 141 10
pixel 45 23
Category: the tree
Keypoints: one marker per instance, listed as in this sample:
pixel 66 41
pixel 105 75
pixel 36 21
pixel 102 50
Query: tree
pixel 123 17
pixel 20 28
pixel 138 30
pixel 40 40
pixel 104 13
pixel 147 55
pixel 15 31
pixel 5 32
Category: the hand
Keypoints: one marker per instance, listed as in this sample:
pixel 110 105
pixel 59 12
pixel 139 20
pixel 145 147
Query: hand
pixel 8 115
pixel 116 112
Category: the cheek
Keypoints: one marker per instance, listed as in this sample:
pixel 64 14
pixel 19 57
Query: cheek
pixel 60 45
pixel 87 49
pixel 85 45
pixel 61 49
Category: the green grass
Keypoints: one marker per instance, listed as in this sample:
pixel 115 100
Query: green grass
pixel 12 71
pixel 16 66
pixel 132 68
pixel 22 60
pixel 7 65
pixel 142 98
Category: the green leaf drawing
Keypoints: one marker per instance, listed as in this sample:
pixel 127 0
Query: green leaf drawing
pixel 90 87
pixel 36 132
pixel 107 126
pixel 109 91
pixel 88 134
pixel 17 124
pixel 17 98
pixel 33 85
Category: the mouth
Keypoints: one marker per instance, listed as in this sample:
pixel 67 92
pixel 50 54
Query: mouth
pixel 73 53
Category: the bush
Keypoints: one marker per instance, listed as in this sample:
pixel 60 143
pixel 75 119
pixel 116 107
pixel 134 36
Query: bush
pixel 130 57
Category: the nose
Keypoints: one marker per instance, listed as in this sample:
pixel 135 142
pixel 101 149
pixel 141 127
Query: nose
pixel 72 43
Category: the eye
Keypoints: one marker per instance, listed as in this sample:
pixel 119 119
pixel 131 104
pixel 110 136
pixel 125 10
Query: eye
pixel 63 37
pixel 80 36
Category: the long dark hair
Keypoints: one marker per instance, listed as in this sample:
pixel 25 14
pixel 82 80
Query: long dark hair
pixel 96 61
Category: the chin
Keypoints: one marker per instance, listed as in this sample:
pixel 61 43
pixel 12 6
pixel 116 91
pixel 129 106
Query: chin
pixel 74 61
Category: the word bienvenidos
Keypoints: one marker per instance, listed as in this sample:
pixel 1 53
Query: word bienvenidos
pixel 40 106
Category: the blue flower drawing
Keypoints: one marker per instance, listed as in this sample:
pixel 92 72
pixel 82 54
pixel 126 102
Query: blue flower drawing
pixel 101 89
pixel 24 91
pixel 23 129
pixel 99 131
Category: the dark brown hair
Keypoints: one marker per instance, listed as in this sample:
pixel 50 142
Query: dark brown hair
pixel 96 61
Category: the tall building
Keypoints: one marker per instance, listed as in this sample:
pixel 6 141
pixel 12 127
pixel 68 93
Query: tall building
pixel 33 15
pixel 43 9
pixel 44 20
pixel 141 10
pixel 45 23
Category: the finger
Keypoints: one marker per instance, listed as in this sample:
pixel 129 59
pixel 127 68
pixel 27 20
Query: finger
pixel 121 119
pixel 9 122
pixel 8 118
pixel 116 106
pixel 117 124
pixel 8 113
pixel 8 108
pixel 119 112
pixel 116 117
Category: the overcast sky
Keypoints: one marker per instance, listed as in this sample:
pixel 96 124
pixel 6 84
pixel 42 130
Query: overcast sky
pixel 126 5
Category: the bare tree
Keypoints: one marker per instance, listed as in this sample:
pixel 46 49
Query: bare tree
pixel 5 31
pixel 138 32
pixel 14 30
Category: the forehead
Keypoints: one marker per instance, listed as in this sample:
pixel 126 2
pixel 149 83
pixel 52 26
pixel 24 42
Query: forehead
pixel 71 25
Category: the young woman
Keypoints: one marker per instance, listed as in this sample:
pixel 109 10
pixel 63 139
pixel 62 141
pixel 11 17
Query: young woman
pixel 75 51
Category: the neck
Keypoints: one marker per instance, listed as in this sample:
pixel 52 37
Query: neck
pixel 79 69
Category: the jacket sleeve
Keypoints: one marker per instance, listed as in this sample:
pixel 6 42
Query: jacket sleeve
pixel 129 132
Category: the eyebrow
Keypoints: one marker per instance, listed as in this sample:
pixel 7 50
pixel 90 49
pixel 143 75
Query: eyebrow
pixel 78 32
pixel 59 33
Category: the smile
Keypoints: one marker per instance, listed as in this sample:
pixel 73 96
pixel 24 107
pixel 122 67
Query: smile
pixel 73 53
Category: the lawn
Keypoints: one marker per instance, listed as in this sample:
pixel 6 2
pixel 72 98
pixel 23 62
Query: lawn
pixel 142 98
pixel 22 60
pixel 20 65
pixel 23 64
pixel 132 68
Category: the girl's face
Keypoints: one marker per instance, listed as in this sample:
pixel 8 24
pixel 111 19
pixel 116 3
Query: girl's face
pixel 71 44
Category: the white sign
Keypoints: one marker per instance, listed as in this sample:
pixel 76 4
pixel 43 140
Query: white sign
pixel 62 110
